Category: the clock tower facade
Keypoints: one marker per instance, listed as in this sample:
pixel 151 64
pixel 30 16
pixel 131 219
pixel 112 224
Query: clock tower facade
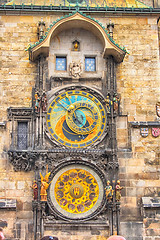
pixel 74 136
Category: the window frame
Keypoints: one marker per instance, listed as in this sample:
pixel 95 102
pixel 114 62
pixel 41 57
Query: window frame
pixel 60 56
pixel 90 56
pixel 27 134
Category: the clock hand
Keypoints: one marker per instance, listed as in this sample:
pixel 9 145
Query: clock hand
pixel 68 98
pixel 63 107
pixel 76 118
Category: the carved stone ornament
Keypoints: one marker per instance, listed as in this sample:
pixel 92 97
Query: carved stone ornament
pixel 75 69
pixel 29 160
pixel 22 161
pixel 144 132
pixel 112 165
pixel 19 112
pixel 155 132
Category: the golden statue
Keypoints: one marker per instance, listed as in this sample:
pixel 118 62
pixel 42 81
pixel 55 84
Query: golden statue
pixel 118 191
pixel 76 45
pixel 44 185
pixel 109 191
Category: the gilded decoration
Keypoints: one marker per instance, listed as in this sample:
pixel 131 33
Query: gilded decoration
pixel 44 185
pixel 76 191
pixel 76 119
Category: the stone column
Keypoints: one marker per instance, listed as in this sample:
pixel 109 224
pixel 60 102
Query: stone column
pixel 110 89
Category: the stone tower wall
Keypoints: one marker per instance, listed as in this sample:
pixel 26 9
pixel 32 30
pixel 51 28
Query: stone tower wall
pixel 137 83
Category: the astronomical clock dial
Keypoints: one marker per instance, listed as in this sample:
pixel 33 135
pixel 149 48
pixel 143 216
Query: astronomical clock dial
pixel 76 119
pixel 76 192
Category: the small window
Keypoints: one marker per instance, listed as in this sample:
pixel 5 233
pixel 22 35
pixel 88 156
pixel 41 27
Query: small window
pixel 61 63
pixel 22 135
pixel 90 64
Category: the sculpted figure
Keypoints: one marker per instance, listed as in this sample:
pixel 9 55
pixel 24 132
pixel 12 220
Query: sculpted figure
pixel 75 69
pixel 116 101
pixel 44 102
pixel 118 191
pixel 44 186
pixel 35 190
pixel 37 102
pixel 109 191
pixel 108 104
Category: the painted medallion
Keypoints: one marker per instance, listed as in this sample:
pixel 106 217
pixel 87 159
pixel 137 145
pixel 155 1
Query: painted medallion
pixel 76 191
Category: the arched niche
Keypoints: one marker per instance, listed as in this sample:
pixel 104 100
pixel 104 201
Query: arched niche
pixel 78 20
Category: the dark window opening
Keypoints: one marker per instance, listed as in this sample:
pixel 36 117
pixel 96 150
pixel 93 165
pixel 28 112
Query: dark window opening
pixel 22 137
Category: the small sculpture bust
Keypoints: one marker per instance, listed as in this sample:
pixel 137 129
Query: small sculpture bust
pixel 75 69
pixel 118 191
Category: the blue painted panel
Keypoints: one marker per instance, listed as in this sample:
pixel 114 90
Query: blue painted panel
pixel 90 64
pixel 61 63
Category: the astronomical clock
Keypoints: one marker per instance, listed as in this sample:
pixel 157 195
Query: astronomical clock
pixel 76 120
pixel 68 136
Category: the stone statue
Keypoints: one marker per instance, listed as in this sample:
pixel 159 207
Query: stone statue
pixel 75 69
pixel 118 191
pixel 44 102
pixel 109 191
pixel 108 104
pixel 35 190
pixel 116 101
pixel 44 186
pixel 37 102
pixel 75 45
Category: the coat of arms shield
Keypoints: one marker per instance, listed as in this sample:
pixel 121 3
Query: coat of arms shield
pixel 155 132
pixel 144 132
pixel 158 109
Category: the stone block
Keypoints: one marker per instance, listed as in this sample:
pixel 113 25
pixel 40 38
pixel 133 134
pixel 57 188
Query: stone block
pixel 24 215
pixel 20 184
pixel 134 229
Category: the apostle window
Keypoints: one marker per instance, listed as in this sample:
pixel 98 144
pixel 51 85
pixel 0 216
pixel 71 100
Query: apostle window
pixel 90 64
pixel 61 63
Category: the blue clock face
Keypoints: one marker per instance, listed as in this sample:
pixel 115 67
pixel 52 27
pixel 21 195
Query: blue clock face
pixel 76 119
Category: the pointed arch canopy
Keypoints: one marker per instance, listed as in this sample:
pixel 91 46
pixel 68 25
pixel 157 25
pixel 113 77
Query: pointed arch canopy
pixel 78 20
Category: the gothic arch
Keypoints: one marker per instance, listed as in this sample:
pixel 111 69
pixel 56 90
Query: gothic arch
pixel 78 20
